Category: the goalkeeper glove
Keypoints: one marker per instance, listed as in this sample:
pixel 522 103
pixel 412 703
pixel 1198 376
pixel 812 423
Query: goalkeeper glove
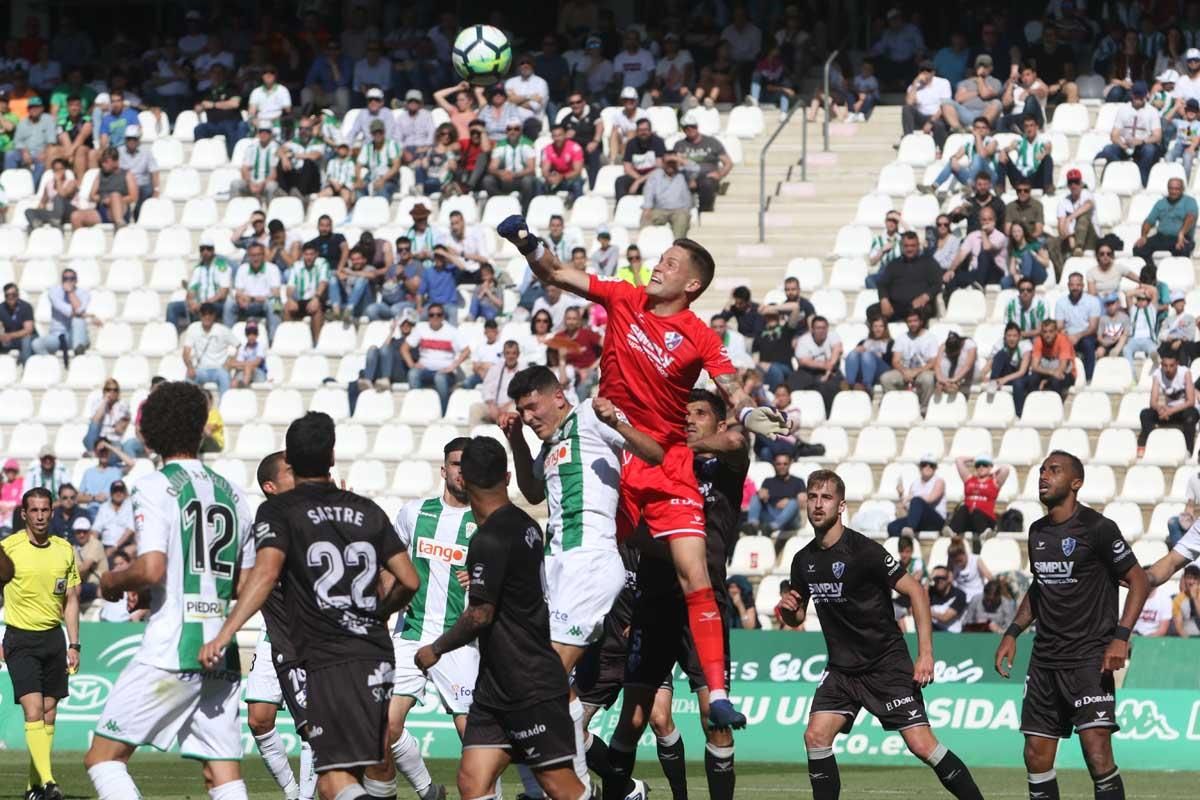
pixel 765 422
pixel 515 230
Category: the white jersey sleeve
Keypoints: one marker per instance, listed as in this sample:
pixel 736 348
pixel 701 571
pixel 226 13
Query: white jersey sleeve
pixel 153 524
pixel 406 522
pixel 245 516
pixel 1189 545
pixel 606 432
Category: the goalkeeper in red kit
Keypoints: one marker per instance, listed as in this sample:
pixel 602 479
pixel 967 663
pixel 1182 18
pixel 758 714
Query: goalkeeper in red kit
pixel 654 352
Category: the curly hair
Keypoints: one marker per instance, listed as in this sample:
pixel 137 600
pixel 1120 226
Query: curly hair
pixel 173 419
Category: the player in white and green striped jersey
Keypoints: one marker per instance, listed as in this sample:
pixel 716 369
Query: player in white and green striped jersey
pixel 578 474
pixel 437 532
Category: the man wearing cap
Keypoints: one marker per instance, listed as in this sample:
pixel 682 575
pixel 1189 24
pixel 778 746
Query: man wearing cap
pixel 249 363
pixel 111 465
pixel 1136 133
pixel 1078 228
pixel 976 96
pixel 705 161
pixel 33 136
pixel 374 112
pixel 924 101
pixel 512 166
pixel 623 126
pixel 221 106
pixel 923 503
pixel 1187 135
pixel 596 70
pixel 379 163
pixel 271 100
pixel 90 559
pixel 899 46
pixel 300 162
pixel 210 283
pixel 1114 327
pixel 114 519
pixel 48 473
pixel 68 317
pixel 140 164
pixel 328 80
pixel 206 347
pixel 414 127
pixel 255 292
pixel 1173 219
pixel 115 121
pixel 260 166
pixel 530 92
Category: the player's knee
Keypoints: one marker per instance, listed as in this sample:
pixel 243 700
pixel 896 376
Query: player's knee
pixel 1037 759
pixel 660 720
pixel 719 737
pixel 1099 758
pixel 814 738
pixel 260 720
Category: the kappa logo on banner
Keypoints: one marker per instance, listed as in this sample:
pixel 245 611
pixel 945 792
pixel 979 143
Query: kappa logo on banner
pixel 447 553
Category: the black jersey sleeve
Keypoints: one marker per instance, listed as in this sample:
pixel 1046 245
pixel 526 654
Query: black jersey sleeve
pixel 487 562
pixel 889 568
pixel 1112 548
pixel 271 527
pixel 799 582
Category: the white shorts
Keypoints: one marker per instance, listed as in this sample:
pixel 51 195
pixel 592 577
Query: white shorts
pixel 453 675
pixel 262 684
pixel 581 587
pixel 196 710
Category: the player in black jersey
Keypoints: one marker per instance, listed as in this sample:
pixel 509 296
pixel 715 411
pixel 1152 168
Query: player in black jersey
pixel 1078 558
pixel 280 678
pixel 344 571
pixel 659 634
pixel 850 579
pixel 519 707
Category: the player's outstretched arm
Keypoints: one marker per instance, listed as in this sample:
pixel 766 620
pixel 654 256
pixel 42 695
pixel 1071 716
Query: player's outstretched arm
pixel 1117 652
pixel 640 444
pixel 545 264
pixel 923 617
pixel 731 445
pixel 404 584
pixel 1007 650
pixel 760 420
pixel 1158 574
pixel 147 570
pixel 475 618
pixel 261 579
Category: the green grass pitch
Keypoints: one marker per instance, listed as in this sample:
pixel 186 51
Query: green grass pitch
pixel 165 777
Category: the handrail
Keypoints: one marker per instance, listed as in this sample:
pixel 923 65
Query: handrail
pixel 762 167
pixel 828 102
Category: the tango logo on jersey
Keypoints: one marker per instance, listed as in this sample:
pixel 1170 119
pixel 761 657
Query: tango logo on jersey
pixel 672 339
pixel 1068 545
pixel 433 550
pixel 559 454
pixel 839 569
pixel 638 340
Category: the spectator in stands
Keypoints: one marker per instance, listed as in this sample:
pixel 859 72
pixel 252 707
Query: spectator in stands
pixel 1172 402
pixel 12 489
pixel 433 353
pixel 74 137
pixel 47 474
pixel 624 125
pixel 745 311
pixel 634 66
pixel 584 126
pixel 16 317
pixel 341 175
pixel 896 52
pixel 34 136
pixel 872 357
pixel 923 102
pixel 473 158
pixel 1010 362
pixel 945 245
pixel 221 106
pixel 114 195
pixel 1030 157
pixel 605 258
pixel 818 357
pixel 975 96
pixel 913 359
pixel 249 364
pixel 300 161
pixel 210 283
pixel 1025 95
pixel 333 247
pixel 587 341
pixel 1026 259
pixel 1026 311
pixel 954 369
pixel 307 285
pixel 798 309
pixel 270 101
pixel 68 318
pixel 674 74
pixel 1025 211
pixel 909 556
pixel 487 301
pixel 1105 277
pixel 1186 136
pixel 114 519
pixel 329 78
pixel 54 205
pixel 512 167
pixel 562 164
pixel 90 559
pixel 976 154
pixel 1155 619
pixel 439 284
pixel 1051 365
pixel 741 612
pixel 982 198
pixel 643 154
pixel 498 114
pixel 771 74
pixel 775 508
pixel 991 610
pixel 774 348
pixel 379 163
pixel 947 603
pixel 1185 608
pixel 111 465
pixel 255 290
pixel 260 165
pixel 1177 526
pixel 1079 314
pixel 922 504
pixel 1174 220
pixel 1136 134
pixel 494 389
pixel 1078 227
pixel 374 112
pixel 885 247
pixel 206 347
pixel 461 111
pixel 909 283
pixel 1114 329
pixel 977 512
pixel 484 353
pixel 1127 69
pixel 108 416
pixel 140 164
pixel 734 343
pixel 983 258
pixel 529 93
pixel 384 365
pixel 706 163
pixel 414 127
pixel 119 118
pixel 372 71
pixel 666 198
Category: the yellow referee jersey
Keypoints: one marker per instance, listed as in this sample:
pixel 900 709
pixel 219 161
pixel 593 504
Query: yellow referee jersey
pixel 34 598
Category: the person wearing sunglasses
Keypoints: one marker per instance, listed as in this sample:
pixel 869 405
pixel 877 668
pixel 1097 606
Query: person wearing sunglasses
pixel 946 602
pixel 585 127
pixel 68 318
pixel 512 166
pixel 1025 211
pixel 16 317
pixel 433 353
pixel 108 416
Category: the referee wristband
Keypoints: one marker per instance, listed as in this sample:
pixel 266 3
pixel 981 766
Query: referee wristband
pixel 1014 630
pixel 1122 633
pixel 75 646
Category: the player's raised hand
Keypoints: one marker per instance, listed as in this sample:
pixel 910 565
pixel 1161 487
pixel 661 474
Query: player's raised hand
pixel 516 230
pixel 1005 654
pixel 1115 656
pixel 923 670
pixel 607 413
pixel 510 423
pixel 768 422
pixel 425 658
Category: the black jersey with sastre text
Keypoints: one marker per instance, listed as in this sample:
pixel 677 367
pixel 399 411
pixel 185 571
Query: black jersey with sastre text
pixel 517 665
pixel 1076 565
pixel 335 543
pixel 850 584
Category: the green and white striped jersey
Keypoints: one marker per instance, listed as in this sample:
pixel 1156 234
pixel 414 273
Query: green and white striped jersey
pixel 202 523
pixel 582 460
pixel 261 160
pixel 377 161
pixel 1029 154
pixel 209 279
pixel 437 537
pixel 342 170
pixel 305 280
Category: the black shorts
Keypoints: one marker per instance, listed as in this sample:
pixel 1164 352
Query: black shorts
pixel 538 736
pixel 600 674
pixel 37 662
pixel 887 691
pixel 347 707
pixel 660 638
pixel 293 685
pixel 1057 700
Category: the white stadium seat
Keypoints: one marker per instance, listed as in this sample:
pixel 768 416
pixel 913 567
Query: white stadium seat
pixel 896 179
pixel 851 409
pixel 420 407
pixel 753 556
pixel 1070 119
pixel 917 150
pixel 875 445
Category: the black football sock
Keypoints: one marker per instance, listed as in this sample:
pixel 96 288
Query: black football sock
pixel 597 758
pixel 1043 785
pixel 823 774
pixel 671 757
pixel 622 757
pixel 718 767
pixel 1110 786
pixel 953 774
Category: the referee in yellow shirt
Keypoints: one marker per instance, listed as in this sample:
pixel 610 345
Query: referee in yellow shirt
pixel 41 590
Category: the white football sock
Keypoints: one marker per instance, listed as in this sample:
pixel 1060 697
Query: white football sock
pixel 380 788
pixel 533 789
pixel 575 707
pixel 233 790
pixel 274 755
pixel 406 751
pixel 112 782
pixel 351 792
pixel 308 773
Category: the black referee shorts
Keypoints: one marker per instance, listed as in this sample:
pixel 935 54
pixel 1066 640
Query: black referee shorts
pixel 37 662
pixel 887 691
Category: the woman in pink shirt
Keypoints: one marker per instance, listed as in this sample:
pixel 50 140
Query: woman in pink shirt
pixel 10 494
pixel 462 110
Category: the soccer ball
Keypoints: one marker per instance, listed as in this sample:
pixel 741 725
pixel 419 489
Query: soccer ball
pixel 481 54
